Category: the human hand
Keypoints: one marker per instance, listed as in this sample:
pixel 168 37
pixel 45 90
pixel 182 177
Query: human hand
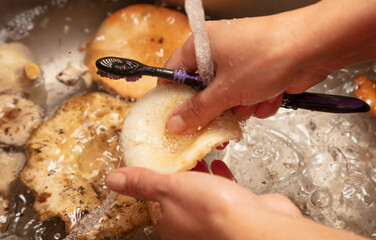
pixel 257 59
pixel 252 72
pixel 193 205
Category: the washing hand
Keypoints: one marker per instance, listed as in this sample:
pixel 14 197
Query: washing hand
pixel 257 59
pixel 193 205
pixel 182 210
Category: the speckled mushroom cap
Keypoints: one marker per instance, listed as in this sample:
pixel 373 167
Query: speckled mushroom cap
pixel 146 33
pixel 69 156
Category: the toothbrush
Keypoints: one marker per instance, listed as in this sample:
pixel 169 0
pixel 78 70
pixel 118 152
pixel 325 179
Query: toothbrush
pixel 118 68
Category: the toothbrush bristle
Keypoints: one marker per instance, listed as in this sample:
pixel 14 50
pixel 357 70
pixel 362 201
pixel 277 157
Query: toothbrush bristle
pixel 113 76
pixel 101 73
pixel 117 77
pixel 131 79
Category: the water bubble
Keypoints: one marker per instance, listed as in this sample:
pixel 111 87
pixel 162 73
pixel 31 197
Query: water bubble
pixel 301 163
pixel 372 175
pixel 368 200
pixel 100 38
pixel 349 191
pixel 170 20
pixel 259 150
pixel 321 198
pixel 20 26
pixel 339 224
pixel 148 230
pixel 160 53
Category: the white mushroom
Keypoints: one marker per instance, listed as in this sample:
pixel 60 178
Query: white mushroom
pixel 18 68
pixel 18 118
pixel 147 143
pixel 11 163
pixel 72 73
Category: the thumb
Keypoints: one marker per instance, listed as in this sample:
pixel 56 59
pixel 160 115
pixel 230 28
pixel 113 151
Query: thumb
pixel 199 110
pixel 139 183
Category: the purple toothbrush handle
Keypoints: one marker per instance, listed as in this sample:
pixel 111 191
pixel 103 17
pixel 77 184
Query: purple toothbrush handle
pixel 310 101
pixel 182 77
pixel 324 103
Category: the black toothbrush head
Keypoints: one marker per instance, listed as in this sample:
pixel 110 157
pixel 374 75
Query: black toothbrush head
pixel 116 68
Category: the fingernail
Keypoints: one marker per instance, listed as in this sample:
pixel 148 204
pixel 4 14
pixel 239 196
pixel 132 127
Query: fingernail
pixel 116 181
pixel 176 124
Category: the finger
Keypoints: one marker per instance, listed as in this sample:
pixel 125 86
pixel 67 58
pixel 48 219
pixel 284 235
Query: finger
pixel 268 108
pixel 244 112
pixel 305 83
pixel 201 109
pixel 222 146
pixel 162 81
pixel 139 183
pixel 220 168
pixel 201 166
pixel 183 58
pixel 281 204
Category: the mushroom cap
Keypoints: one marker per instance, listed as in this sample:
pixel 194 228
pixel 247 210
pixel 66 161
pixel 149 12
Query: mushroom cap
pixel 365 89
pixel 18 119
pixel 18 68
pixel 69 156
pixel 146 142
pixel 146 33
pixel 11 163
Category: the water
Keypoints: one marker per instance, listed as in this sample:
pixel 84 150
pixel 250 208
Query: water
pixel 324 163
pixel 42 29
pixel 196 16
pixel 91 219
pixel 21 25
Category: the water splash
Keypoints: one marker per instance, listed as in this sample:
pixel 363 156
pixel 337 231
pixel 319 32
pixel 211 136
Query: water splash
pixel 196 16
pixel 21 25
pixel 324 163
pixel 89 221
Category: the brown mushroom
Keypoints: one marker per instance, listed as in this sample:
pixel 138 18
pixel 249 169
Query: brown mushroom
pixel 18 118
pixel 365 89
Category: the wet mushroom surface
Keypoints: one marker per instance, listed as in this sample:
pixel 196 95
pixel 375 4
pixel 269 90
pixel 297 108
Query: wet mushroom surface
pixel 325 163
